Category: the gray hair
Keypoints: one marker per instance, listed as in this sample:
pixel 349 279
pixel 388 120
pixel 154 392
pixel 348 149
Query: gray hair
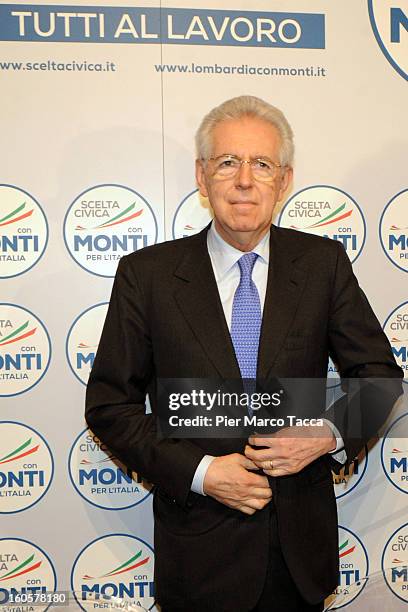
pixel 237 108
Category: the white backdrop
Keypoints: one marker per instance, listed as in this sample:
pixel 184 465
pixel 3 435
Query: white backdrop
pixel 99 108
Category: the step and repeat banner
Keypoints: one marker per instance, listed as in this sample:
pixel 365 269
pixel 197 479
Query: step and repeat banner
pixel 99 106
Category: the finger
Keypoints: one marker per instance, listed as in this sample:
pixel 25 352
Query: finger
pixel 269 465
pixel 261 484
pixel 255 466
pixel 258 441
pixel 254 491
pixel 257 480
pixel 258 456
pixel 246 510
pixel 236 505
pixel 248 464
pixel 259 493
pixel 241 505
pixel 276 472
pixel 256 503
pixel 255 452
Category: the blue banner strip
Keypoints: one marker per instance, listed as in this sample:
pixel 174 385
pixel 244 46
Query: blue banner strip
pixel 94 24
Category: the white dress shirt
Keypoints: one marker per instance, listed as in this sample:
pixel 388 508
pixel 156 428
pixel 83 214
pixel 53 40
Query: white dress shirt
pixel 224 260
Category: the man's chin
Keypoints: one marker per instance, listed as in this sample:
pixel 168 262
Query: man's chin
pixel 245 225
pixel 242 233
pixel 241 226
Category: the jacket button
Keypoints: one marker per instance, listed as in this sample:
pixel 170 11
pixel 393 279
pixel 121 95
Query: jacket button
pixel 189 504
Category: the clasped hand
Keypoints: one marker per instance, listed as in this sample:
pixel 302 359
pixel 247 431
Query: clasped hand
pixel 291 449
pixel 230 480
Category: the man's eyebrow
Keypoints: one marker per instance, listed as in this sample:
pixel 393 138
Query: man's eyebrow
pixel 256 156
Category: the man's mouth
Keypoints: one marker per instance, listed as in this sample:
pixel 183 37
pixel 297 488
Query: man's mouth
pixel 240 202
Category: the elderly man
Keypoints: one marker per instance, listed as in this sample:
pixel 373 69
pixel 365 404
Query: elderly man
pixel 240 524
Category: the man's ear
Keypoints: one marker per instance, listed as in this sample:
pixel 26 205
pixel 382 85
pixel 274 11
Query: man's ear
pixel 285 182
pixel 201 178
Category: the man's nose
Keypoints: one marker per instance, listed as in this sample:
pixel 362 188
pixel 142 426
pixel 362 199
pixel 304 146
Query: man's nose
pixel 244 178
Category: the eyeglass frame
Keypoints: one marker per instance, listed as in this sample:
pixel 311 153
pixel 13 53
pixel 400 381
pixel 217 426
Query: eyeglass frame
pixel 248 161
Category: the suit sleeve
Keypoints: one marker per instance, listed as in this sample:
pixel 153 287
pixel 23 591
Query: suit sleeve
pixel 115 400
pixel 370 376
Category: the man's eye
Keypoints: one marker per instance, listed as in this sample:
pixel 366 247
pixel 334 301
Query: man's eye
pixel 227 163
pixel 263 164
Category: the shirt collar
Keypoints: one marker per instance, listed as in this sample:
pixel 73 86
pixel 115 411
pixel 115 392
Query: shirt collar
pixel 224 256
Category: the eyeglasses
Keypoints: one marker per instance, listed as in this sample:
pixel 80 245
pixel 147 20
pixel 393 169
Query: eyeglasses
pixel 227 166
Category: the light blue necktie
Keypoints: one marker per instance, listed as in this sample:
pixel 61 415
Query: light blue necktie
pixel 246 321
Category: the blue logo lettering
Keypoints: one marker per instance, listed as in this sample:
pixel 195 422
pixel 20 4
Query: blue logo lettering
pixel 23 478
pixel 14 243
pixel 127 243
pixel 27 361
pixel 400 353
pixel 85 360
pixel 398 19
pixel 106 476
pixel 397 464
pixel 400 241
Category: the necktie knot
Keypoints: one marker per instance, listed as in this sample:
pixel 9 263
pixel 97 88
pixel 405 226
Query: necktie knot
pixel 246 265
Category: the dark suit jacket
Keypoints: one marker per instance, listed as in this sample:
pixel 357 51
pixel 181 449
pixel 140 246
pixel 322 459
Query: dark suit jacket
pixel 165 320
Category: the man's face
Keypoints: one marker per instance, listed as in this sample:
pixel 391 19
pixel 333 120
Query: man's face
pixel 241 203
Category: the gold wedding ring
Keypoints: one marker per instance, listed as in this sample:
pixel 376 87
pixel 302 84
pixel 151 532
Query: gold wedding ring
pixel 270 464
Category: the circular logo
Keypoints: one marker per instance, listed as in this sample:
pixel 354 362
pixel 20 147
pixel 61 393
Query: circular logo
pixel 329 212
pixel 394 453
pixel 101 478
pixel 394 562
pixel 25 349
pixel 389 20
pixel 23 231
pixel 26 467
pixel 353 560
pixel 192 215
pixel 394 230
pixel 106 222
pixel 396 328
pixel 351 475
pixel 83 338
pixel 26 573
pixel 117 565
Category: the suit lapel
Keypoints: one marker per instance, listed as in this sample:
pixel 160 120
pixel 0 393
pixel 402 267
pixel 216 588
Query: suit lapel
pixel 199 301
pixel 286 280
